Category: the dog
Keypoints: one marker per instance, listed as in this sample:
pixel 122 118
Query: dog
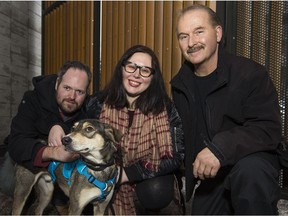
pixel 91 181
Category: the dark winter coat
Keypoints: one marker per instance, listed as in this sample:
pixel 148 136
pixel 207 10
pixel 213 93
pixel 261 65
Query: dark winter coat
pixel 242 112
pixel 37 113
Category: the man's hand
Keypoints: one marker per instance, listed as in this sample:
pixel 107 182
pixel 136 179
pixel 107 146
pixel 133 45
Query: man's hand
pixel 206 165
pixel 56 133
pixel 58 153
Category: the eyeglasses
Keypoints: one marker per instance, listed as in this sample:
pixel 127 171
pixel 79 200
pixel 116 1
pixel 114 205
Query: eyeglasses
pixel 144 71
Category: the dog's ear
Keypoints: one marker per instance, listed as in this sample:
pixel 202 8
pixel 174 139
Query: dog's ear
pixel 113 134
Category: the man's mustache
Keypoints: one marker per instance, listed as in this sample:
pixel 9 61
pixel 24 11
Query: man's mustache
pixel 195 48
pixel 69 100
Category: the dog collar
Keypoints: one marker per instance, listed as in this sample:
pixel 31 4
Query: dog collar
pixel 97 166
pixel 105 187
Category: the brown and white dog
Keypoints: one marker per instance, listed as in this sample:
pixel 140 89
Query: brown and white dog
pixel 92 180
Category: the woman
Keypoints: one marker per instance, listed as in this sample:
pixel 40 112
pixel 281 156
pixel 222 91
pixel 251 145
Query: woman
pixel 136 103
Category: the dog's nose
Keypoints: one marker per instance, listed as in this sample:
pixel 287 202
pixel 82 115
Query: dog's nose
pixel 66 140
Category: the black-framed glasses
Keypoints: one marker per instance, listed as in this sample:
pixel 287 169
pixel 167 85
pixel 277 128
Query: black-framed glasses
pixel 144 71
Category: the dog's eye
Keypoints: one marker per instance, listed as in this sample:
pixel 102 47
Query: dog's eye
pixel 89 129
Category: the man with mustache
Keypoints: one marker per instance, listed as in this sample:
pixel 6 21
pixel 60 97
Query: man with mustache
pixel 54 100
pixel 231 120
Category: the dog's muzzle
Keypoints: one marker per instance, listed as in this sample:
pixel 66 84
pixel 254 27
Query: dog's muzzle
pixel 66 140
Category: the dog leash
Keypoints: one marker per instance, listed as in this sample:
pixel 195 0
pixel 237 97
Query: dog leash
pixel 194 190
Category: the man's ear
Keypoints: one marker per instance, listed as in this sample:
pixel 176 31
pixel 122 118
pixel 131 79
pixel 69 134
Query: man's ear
pixel 219 33
pixel 57 84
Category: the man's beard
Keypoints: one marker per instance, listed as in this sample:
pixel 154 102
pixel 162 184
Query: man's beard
pixel 68 107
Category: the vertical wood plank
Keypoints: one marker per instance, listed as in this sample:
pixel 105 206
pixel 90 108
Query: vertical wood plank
pixel 158 35
pixel 150 24
pixel 135 23
pixel 104 45
pixel 71 29
pixel 57 41
pixel 142 22
pixel 115 33
pixel 167 42
pixel 64 32
pixel 78 29
pixel 109 40
pixel 128 17
pixel 121 23
pixel 60 35
pixel 176 52
pixel 53 42
pixel 90 44
pixel 90 32
pixel 83 32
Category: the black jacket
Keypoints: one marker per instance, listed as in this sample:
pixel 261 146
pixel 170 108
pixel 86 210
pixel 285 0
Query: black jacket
pixel 37 113
pixel 137 171
pixel 242 112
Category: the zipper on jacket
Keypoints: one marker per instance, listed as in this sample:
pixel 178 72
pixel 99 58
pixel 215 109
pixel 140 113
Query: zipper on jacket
pixel 175 138
pixel 208 119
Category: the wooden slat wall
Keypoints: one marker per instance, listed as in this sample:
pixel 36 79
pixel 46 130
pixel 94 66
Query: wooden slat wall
pixel 68 34
pixel 151 23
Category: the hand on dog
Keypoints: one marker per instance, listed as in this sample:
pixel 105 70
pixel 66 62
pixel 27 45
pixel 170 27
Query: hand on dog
pixel 56 133
pixel 58 153
pixel 206 165
pixel 124 177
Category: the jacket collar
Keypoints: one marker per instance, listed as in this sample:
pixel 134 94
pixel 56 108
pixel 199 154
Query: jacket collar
pixel 182 79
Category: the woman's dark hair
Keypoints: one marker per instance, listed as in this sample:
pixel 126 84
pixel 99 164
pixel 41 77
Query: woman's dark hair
pixel 154 99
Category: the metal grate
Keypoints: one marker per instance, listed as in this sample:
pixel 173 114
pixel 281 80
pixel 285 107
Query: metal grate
pixel 262 31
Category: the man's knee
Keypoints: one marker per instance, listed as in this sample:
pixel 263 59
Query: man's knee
pixel 253 183
pixel 257 166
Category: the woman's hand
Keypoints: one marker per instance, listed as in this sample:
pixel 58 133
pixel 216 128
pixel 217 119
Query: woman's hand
pixel 124 177
pixel 55 135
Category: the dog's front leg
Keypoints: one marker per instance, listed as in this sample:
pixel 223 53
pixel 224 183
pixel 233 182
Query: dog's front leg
pixel 100 207
pixel 76 207
pixel 45 188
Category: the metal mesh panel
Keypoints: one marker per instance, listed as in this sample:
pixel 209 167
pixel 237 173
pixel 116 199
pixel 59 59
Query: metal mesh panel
pixel 262 31
pixel 275 43
pixel 244 12
pixel 283 92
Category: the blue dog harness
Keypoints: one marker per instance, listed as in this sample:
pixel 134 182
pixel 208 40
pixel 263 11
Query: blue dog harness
pixel 68 167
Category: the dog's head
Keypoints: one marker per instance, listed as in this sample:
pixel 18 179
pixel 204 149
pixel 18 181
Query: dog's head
pixel 94 140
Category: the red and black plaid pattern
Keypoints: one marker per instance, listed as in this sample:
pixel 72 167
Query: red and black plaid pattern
pixel 147 140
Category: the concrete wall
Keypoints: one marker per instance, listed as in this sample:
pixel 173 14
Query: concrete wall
pixel 20 55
